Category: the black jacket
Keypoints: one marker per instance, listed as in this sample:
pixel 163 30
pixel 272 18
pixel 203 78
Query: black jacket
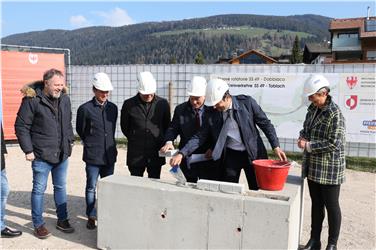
pixel 37 125
pixel 96 125
pixel 3 148
pixel 145 129
pixel 248 114
pixel 183 124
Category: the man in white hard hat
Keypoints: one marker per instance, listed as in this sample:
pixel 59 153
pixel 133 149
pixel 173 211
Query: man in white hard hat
pixel 144 121
pixel 323 139
pixel 233 128
pixel 96 124
pixel 187 120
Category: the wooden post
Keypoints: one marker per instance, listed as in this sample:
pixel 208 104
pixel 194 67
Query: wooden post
pixel 170 95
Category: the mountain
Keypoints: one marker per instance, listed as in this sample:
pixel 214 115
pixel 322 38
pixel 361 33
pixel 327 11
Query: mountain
pixel 180 41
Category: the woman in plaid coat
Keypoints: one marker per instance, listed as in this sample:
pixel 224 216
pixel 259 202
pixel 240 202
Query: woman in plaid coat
pixel 323 141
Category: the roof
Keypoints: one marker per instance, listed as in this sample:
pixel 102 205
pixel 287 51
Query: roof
pixel 265 57
pixel 318 48
pixel 352 23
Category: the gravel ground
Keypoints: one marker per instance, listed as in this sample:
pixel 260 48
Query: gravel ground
pixel 357 202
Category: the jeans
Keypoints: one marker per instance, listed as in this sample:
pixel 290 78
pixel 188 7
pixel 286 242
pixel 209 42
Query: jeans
pixel 92 173
pixel 325 196
pixel 4 196
pixel 41 170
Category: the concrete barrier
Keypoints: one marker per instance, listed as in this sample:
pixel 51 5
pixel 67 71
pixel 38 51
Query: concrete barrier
pixel 141 213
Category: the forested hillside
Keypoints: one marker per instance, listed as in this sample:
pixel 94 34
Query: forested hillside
pixel 180 41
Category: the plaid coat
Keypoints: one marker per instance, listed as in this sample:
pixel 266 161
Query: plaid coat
pixel 326 134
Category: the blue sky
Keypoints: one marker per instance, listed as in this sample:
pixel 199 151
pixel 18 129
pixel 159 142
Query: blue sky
pixel 26 16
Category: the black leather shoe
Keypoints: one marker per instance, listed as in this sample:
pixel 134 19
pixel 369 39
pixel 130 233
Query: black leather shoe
pixel 312 244
pixel 331 247
pixel 90 223
pixel 9 233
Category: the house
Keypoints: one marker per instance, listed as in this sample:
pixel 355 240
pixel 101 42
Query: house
pixel 353 40
pixel 252 57
pixel 283 58
pixel 317 53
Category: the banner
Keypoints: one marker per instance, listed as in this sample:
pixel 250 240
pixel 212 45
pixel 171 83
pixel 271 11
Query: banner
pixel 281 98
pixel 18 69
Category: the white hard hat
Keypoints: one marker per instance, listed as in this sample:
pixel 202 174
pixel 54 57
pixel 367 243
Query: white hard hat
pixel 314 84
pixel 214 91
pixel 197 86
pixel 146 83
pixel 101 81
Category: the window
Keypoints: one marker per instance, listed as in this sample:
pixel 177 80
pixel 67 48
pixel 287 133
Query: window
pixel 371 55
pixel 347 35
pixel 348 56
pixel 370 25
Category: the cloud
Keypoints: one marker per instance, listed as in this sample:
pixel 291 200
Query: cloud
pixel 79 21
pixel 115 17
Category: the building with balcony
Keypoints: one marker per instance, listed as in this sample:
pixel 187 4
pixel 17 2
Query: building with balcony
pixel 353 40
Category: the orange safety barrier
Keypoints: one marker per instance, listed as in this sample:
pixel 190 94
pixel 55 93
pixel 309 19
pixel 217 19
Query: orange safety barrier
pixel 18 69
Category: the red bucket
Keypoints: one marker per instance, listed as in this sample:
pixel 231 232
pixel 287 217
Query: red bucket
pixel 271 174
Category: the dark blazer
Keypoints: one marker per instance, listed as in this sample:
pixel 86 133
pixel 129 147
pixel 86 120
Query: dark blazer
pixel 96 126
pixel 37 125
pixel 3 148
pixel 183 124
pixel 248 114
pixel 145 129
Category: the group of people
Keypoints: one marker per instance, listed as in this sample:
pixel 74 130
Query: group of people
pixel 212 122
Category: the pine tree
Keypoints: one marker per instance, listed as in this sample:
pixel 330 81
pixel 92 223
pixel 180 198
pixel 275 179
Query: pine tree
pixel 172 60
pixel 296 55
pixel 199 59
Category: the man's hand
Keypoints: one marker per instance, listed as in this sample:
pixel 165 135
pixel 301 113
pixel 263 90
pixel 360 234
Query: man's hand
pixel 302 143
pixel 30 156
pixel 166 147
pixel 176 160
pixel 208 154
pixel 281 155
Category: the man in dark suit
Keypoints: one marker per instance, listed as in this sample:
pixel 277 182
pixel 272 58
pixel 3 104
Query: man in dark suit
pixel 144 121
pixel 232 125
pixel 187 120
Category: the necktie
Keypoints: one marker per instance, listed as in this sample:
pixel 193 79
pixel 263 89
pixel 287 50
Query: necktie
pixel 217 152
pixel 197 119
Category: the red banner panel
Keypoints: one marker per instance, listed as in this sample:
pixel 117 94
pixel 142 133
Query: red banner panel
pixel 18 69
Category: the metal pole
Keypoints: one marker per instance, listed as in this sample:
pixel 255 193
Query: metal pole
pixel 31 47
pixel 170 94
pixel 301 204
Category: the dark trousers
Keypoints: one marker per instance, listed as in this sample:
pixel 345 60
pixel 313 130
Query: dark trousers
pixel 154 171
pixel 325 196
pixel 234 162
pixel 208 170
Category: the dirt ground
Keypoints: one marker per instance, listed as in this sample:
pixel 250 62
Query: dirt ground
pixel 357 202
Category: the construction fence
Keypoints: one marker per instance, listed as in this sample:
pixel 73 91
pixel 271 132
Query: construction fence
pixel 172 81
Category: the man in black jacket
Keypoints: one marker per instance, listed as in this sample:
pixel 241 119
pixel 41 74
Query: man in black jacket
pixel 96 124
pixel 187 120
pixel 144 120
pixel 5 231
pixel 232 124
pixel 44 131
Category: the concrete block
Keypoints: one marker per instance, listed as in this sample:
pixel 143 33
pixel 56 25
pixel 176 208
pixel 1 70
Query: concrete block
pixel 220 186
pixel 142 213
pixel 168 153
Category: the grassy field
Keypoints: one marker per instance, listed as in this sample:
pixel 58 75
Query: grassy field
pixel 242 30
